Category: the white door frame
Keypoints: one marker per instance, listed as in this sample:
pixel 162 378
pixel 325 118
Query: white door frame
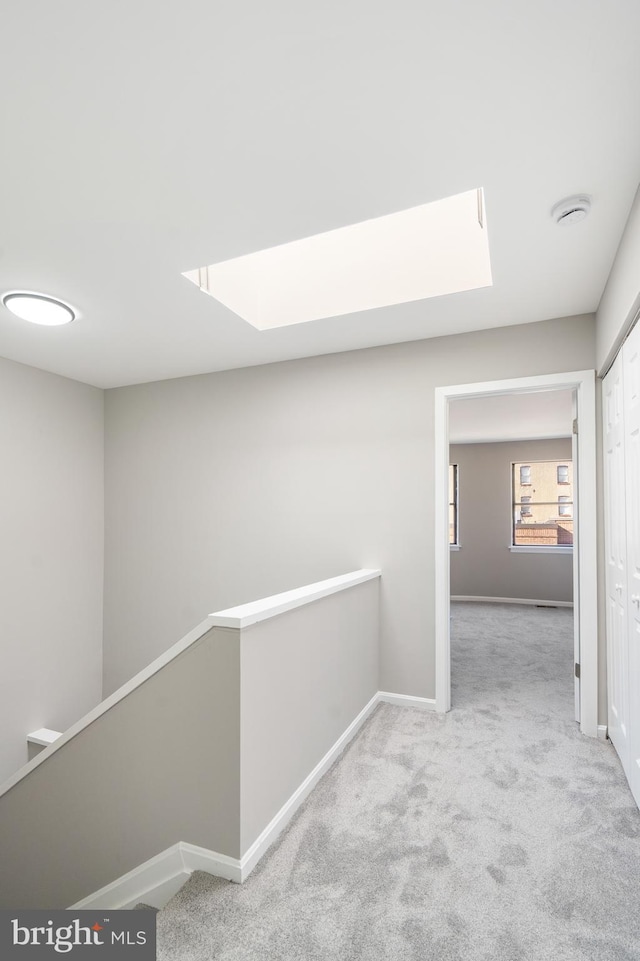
pixel 583 382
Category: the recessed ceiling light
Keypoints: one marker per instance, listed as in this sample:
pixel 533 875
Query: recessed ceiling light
pixel 571 210
pixel 38 308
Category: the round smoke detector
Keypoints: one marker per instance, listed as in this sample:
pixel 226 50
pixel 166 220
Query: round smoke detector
pixel 571 210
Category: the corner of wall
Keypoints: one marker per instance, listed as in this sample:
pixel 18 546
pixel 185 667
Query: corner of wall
pixel 620 301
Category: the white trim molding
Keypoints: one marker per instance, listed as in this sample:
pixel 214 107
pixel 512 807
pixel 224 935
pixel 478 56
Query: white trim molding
pixel 247 614
pixel 157 880
pixel 43 736
pixel 235 617
pixel 407 700
pixel 539 549
pixel 510 600
pixel 198 632
pixel 251 857
pixel 582 382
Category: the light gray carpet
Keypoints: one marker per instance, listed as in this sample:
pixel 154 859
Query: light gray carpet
pixel 497 832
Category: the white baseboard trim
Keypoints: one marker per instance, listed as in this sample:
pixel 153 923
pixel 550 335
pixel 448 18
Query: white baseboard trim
pixel 157 880
pixel 164 869
pixel 201 859
pixel 286 812
pixel 407 700
pixel 603 732
pixel 509 600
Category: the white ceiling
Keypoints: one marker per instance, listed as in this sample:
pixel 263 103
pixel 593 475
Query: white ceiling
pixel 143 139
pixel 527 416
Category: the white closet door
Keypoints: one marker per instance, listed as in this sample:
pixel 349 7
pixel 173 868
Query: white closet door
pixel 631 377
pixel 616 561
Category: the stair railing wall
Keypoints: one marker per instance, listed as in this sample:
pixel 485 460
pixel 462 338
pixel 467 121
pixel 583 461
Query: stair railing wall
pixel 202 747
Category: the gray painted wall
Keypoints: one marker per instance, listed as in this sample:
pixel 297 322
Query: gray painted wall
pixel 51 556
pixel 231 486
pixel 161 766
pixel 484 567
pixel 206 751
pixel 621 295
pixel 305 676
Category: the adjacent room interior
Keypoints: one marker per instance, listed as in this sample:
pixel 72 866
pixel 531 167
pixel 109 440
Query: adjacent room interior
pixel 512 512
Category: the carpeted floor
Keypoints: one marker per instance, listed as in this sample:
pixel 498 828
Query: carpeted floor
pixel 494 833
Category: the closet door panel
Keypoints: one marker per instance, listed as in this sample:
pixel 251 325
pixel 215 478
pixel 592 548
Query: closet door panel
pixel 616 556
pixel 631 377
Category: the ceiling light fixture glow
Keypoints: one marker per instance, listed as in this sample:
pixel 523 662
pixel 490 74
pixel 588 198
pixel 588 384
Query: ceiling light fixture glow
pixel 38 308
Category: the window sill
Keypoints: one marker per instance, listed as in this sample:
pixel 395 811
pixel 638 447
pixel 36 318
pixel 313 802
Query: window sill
pixel 540 549
pixel 454 547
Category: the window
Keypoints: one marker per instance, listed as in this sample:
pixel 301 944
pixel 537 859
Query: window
pixel 564 507
pixel 541 517
pixel 453 504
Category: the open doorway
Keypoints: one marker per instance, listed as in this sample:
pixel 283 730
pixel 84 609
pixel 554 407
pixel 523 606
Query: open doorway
pixel 581 386
pixel 511 527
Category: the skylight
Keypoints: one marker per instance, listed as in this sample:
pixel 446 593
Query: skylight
pixel 427 251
